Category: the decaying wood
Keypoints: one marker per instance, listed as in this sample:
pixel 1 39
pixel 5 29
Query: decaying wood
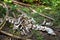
pixel 42 14
pixel 20 3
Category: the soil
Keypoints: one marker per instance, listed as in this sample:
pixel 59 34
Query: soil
pixel 51 37
pixel 44 34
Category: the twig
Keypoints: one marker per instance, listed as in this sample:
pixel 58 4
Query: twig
pixel 42 14
pixel 1 5
pixel 3 24
pixel 4 21
pixel 11 35
pixel 47 17
pixel 20 3
pixel 14 14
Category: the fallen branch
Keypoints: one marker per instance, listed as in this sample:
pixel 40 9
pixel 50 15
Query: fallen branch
pixel 4 21
pixel 47 17
pixel 11 35
pixel 3 24
pixel 20 3
pixel 42 14
pixel 14 15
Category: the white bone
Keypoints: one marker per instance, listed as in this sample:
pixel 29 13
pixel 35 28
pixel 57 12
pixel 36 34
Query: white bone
pixel 50 31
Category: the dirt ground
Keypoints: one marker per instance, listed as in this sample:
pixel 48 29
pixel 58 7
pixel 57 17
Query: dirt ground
pixel 51 37
pixel 44 34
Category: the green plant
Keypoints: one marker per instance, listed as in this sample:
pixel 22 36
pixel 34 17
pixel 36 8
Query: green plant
pixel 50 2
pixel 8 1
pixel 31 1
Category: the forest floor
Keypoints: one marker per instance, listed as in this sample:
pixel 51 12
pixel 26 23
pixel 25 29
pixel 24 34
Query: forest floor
pixel 45 35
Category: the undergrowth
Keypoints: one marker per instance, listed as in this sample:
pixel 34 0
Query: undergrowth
pixel 51 11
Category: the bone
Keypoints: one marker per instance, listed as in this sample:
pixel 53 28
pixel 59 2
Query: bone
pixel 28 24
